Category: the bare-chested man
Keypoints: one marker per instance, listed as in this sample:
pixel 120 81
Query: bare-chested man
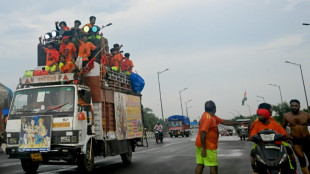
pixel 298 122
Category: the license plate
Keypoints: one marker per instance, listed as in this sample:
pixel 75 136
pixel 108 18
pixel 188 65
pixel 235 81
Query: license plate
pixel 36 157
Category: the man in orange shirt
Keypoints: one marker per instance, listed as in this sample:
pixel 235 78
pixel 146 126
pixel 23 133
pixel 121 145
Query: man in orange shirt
pixel 126 64
pixel 66 66
pixel 116 59
pixel 68 49
pixel 85 49
pixel 266 122
pixel 207 139
pixel 52 56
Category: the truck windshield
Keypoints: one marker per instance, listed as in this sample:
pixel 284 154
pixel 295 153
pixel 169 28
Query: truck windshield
pixel 43 101
pixel 175 123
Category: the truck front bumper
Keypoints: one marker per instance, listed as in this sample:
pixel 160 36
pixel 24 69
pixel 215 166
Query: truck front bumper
pixel 59 153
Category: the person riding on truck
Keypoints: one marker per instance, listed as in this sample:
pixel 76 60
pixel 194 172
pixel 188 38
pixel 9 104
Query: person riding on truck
pixel 82 103
pixel 52 56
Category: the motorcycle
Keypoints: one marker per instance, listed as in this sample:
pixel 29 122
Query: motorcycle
pixel 270 154
pixel 159 136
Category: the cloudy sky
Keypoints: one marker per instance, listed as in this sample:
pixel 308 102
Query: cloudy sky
pixel 215 48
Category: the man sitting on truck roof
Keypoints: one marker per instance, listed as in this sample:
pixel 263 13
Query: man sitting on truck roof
pixel 116 59
pixel 85 49
pixel 66 66
pixel 68 49
pixel 52 56
pixel 62 25
pixel 126 64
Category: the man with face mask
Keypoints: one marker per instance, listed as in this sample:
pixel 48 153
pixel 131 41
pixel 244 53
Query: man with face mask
pixel 298 122
pixel 266 122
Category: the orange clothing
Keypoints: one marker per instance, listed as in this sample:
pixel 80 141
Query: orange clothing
pixel 272 125
pixel 82 103
pixel 256 121
pixel 209 124
pixel 117 58
pixel 68 67
pixel 85 48
pixel 126 64
pixel 51 56
pixel 67 50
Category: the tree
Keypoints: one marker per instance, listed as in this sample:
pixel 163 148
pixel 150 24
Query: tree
pixel 280 110
pixel 150 120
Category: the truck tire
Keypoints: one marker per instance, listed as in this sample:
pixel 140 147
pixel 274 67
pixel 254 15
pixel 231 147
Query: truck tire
pixel 182 135
pixel 171 135
pixel 126 157
pixel 29 166
pixel 86 162
pixel 176 136
pixel 187 135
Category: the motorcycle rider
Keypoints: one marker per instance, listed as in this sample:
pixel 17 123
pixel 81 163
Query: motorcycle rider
pixel 159 128
pixel 264 122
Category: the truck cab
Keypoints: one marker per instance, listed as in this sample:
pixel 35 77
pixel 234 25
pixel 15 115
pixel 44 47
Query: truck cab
pixel 178 125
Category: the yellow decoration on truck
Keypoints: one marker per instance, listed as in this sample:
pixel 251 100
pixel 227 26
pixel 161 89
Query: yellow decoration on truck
pixel 63 124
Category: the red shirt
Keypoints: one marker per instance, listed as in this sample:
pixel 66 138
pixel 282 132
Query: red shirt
pixel 126 64
pixel 209 124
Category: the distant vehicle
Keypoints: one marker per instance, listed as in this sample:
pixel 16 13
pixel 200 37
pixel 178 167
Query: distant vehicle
pixel 5 100
pixel 226 132
pixel 243 129
pixel 178 125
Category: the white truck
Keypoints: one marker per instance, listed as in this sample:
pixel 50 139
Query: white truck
pixel 48 122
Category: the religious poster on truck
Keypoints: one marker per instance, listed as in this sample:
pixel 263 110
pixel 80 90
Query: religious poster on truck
pixel 128 116
pixel 35 134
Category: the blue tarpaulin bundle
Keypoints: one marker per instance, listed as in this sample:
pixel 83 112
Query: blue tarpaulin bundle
pixel 137 82
pixel 179 117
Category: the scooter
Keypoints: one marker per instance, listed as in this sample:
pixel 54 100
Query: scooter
pixel 159 136
pixel 270 154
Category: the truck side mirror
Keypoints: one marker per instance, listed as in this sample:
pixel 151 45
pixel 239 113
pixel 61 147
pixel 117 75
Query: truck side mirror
pixel 87 97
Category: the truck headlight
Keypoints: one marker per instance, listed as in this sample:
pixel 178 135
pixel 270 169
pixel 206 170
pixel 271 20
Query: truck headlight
pixel 73 139
pixel 65 139
pixel 12 140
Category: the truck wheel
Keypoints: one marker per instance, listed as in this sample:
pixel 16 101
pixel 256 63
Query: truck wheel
pixel 126 157
pixel 176 136
pixel 29 166
pixel 171 135
pixel 182 135
pixel 86 161
pixel 187 135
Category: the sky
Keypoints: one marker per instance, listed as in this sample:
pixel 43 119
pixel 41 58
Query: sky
pixel 217 49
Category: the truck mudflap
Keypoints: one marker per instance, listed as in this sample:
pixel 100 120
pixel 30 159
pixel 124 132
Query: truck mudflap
pixel 63 153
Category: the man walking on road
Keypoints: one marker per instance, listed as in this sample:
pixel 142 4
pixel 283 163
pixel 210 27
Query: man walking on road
pixel 207 139
pixel 298 122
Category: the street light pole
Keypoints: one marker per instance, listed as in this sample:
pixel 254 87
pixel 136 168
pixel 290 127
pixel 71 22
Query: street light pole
pixel 275 85
pixel 187 107
pixel 262 98
pixel 249 109
pixel 303 82
pixel 181 98
pixel 161 104
pixel 187 110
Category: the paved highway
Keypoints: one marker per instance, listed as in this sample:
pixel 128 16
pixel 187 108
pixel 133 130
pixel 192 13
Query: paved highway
pixel 175 155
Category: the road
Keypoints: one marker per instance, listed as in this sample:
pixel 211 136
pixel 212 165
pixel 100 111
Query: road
pixel 175 155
